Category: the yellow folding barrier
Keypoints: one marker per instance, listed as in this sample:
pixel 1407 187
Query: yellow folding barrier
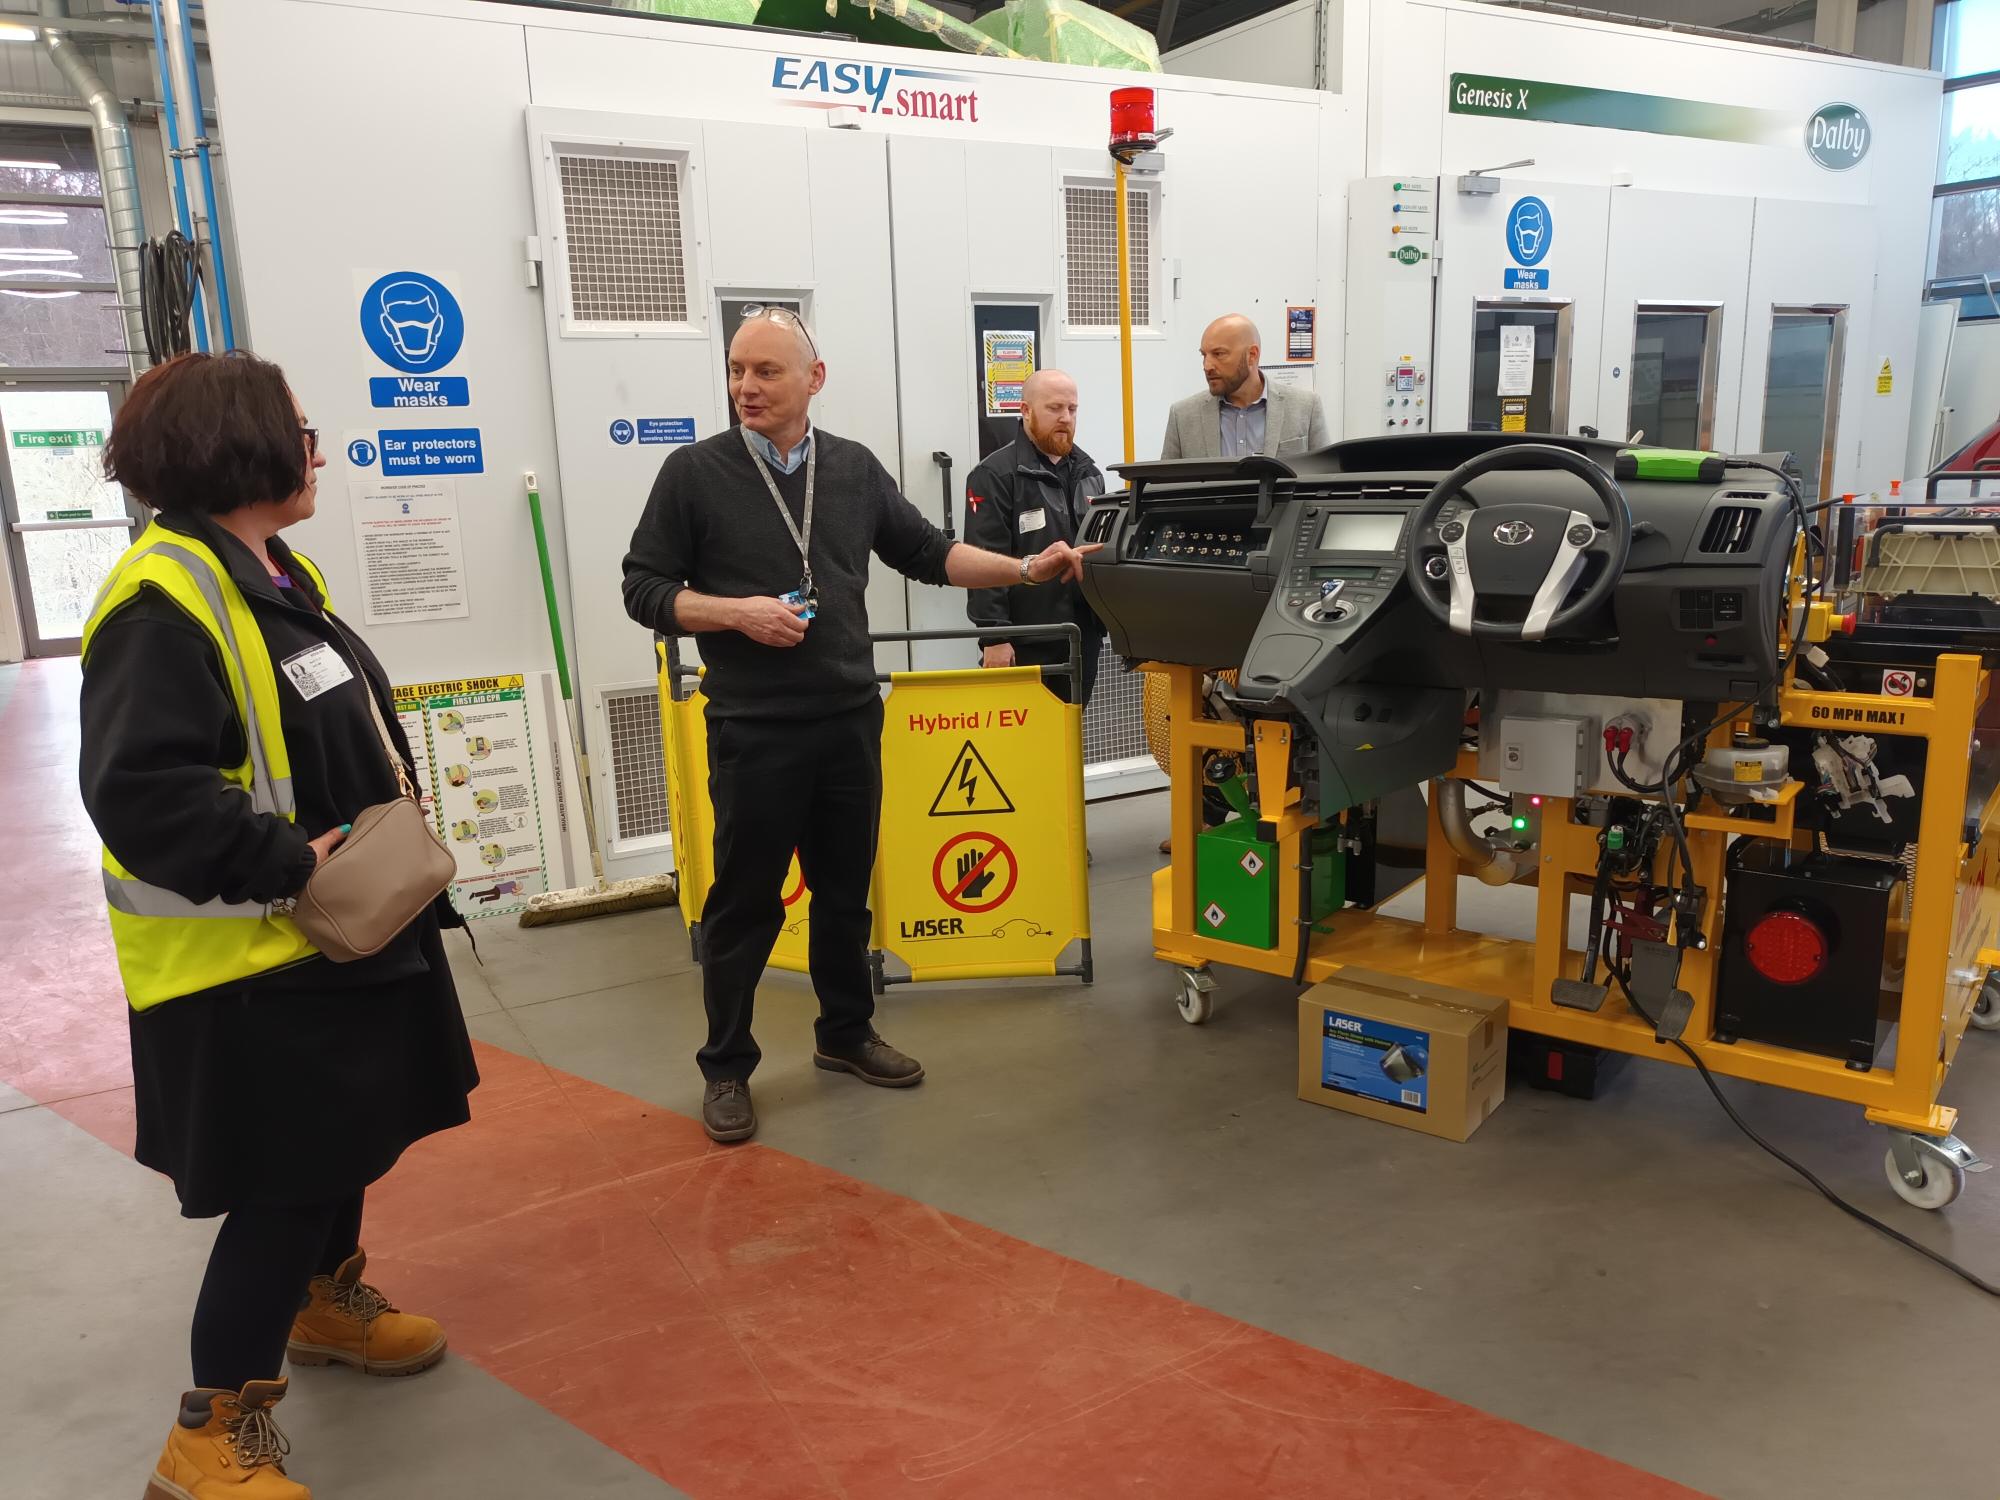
pixel 981 868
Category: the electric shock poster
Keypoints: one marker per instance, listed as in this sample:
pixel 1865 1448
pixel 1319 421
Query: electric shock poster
pixel 474 743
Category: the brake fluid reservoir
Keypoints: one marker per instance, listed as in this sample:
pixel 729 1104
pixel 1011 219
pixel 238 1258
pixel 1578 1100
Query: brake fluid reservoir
pixel 1746 770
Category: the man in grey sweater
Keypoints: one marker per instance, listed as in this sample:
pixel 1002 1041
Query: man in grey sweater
pixel 758 539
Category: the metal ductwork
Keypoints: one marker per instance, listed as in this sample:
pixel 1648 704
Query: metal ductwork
pixel 111 132
pixel 1492 864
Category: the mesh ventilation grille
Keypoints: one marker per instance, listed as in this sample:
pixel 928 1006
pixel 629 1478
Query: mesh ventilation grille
pixel 1090 235
pixel 1113 728
pixel 625 239
pixel 638 765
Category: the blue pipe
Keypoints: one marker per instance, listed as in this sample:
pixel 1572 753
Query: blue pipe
pixel 174 154
pixel 215 253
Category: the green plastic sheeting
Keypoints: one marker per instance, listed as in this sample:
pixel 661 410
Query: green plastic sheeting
pixel 1068 31
pixel 738 12
pixel 1063 31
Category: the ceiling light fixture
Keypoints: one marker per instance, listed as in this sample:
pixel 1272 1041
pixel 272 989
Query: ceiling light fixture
pixel 37 216
pixel 11 31
pixel 7 165
pixel 8 291
pixel 33 252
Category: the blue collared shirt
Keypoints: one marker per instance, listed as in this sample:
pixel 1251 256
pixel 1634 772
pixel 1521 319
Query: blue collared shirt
pixel 784 463
pixel 1243 426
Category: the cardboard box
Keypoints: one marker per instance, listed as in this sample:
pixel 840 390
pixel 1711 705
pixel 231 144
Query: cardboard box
pixel 1424 1056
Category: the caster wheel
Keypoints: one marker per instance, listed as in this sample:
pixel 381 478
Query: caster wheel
pixel 1986 1009
pixel 1943 1181
pixel 1197 1002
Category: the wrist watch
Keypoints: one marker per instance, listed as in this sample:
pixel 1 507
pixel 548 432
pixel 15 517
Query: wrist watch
pixel 1028 579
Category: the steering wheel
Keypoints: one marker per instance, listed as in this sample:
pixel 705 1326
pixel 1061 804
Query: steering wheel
pixel 1520 550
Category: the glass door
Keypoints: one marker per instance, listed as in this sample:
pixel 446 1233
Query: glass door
pixel 66 523
pixel 1802 389
pixel 1676 351
pixel 1520 366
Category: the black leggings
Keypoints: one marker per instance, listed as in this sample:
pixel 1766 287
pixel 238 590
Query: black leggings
pixel 264 1259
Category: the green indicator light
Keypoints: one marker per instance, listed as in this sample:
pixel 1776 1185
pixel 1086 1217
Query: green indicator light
pixel 1520 825
pixel 1399 187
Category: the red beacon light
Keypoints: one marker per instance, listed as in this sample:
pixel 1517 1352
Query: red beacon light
pixel 1786 947
pixel 1132 120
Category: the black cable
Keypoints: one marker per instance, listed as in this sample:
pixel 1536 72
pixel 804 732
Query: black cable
pixel 1970 1277
pixel 169 274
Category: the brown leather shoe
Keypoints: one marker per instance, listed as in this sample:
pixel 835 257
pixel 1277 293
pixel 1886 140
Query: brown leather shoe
pixel 873 1061
pixel 726 1111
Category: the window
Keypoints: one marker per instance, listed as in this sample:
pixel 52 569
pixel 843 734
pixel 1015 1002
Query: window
pixel 1802 389
pixel 1090 242
pixel 1547 398
pixel 58 287
pixel 624 241
pixel 1965 218
pixel 1675 352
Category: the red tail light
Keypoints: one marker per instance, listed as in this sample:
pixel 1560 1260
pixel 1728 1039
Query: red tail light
pixel 1786 947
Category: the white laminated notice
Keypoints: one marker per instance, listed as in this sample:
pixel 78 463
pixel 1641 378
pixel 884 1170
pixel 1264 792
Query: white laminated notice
pixel 412 564
pixel 318 669
pixel 1517 361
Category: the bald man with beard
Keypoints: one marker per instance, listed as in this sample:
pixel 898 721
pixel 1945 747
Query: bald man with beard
pixel 1242 413
pixel 1023 497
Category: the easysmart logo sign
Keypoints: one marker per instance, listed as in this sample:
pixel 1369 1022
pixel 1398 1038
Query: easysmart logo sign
pixel 1837 137
pixel 908 93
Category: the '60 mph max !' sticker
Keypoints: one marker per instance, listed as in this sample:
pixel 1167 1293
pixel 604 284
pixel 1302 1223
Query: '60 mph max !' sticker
pixel 975 872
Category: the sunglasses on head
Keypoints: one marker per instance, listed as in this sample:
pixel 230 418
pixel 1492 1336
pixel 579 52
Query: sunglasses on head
pixel 781 315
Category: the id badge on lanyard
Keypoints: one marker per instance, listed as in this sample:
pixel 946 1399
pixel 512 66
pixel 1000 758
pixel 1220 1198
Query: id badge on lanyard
pixel 807 593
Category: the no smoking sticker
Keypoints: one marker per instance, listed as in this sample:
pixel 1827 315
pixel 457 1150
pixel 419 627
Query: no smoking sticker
pixel 1252 864
pixel 975 872
pixel 796 887
pixel 1215 916
pixel 1897 684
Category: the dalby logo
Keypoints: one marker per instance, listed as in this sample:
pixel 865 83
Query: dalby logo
pixel 876 88
pixel 1837 137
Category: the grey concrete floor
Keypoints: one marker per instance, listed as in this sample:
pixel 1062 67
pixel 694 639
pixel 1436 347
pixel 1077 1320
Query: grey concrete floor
pixel 1629 1274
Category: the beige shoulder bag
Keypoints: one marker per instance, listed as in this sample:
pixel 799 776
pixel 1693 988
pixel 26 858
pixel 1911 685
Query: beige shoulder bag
pixel 378 879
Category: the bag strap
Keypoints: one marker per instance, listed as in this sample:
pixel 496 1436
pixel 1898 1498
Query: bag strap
pixel 396 762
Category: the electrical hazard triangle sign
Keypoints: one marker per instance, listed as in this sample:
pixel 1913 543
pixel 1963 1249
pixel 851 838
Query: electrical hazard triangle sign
pixel 970 787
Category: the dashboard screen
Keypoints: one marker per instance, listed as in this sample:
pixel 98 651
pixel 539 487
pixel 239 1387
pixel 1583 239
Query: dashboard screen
pixel 1361 533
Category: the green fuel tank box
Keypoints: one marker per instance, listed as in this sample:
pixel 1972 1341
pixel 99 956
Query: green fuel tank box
pixel 1236 882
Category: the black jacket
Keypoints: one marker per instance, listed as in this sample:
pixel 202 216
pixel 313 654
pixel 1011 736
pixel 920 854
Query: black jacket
pixel 159 722
pixel 1015 484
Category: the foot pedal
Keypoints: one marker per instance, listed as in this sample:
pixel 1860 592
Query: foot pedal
pixel 1574 994
pixel 1656 972
pixel 1673 1016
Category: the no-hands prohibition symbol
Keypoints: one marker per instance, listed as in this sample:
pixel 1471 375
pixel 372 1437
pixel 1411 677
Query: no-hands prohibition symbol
pixel 975 872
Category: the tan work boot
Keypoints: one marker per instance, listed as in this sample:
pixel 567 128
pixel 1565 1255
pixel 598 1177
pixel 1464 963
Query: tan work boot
pixel 227 1447
pixel 348 1322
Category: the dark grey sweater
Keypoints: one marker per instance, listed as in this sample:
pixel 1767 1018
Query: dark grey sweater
pixel 710 526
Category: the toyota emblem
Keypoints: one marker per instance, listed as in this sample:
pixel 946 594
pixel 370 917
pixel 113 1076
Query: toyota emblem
pixel 1513 533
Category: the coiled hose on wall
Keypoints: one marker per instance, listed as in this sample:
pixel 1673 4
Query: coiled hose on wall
pixel 169 274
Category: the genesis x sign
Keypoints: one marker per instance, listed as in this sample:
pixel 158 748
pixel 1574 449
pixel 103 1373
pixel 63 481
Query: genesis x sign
pixel 1837 137
pixel 877 88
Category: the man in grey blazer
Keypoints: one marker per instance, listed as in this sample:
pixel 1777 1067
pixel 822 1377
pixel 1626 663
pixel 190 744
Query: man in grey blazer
pixel 1241 412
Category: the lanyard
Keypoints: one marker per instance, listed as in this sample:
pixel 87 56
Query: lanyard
pixel 802 536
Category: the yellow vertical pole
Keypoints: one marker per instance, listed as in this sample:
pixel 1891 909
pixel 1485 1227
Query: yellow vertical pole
pixel 1125 308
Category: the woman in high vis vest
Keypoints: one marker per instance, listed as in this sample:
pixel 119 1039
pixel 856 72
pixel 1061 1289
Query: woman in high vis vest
pixel 227 744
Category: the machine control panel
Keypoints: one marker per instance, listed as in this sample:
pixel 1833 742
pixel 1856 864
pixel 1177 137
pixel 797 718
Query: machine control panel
pixel 1406 395
pixel 1199 540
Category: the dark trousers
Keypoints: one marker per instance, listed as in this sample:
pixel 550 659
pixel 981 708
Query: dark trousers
pixel 814 785
pixel 259 1272
pixel 1055 652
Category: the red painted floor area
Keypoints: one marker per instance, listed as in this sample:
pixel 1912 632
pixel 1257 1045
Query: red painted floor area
pixel 750 1326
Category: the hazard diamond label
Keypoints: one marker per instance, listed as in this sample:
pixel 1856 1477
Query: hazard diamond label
pixel 1252 864
pixel 1215 916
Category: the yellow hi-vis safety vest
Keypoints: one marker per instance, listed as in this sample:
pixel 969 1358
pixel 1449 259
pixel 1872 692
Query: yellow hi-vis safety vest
pixel 168 945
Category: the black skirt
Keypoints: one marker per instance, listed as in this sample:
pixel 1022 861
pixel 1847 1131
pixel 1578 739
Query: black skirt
pixel 297 1088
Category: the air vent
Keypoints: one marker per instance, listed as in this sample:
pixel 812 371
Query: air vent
pixel 1099 526
pixel 1729 529
pixel 638 765
pixel 1090 238
pixel 624 240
